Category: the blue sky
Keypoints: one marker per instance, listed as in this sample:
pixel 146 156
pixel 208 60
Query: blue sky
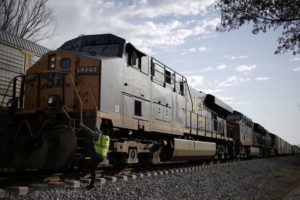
pixel 238 67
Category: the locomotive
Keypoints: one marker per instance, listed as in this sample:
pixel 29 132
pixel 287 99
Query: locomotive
pixel 103 81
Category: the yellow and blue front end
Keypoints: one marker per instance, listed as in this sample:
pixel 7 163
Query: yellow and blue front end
pixel 59 91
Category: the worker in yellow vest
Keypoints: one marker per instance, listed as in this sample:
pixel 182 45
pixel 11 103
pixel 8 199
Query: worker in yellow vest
pixel 98 150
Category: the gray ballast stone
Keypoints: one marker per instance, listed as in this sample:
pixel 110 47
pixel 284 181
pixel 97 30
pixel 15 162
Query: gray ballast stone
pixel 245 180
pixel 72 183
pixel 38 187
pixel 161 173
pixel 148 174
pixel 122 177
pixel 19 190
pixel 140 175
pixel 2 193
pixel 154 173
pixel 132 176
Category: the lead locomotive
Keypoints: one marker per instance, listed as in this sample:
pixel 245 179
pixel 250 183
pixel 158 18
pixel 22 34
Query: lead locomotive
pixel 104 81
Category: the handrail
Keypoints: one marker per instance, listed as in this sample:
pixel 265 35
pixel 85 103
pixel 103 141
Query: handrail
pixel 8 88
pixel 66 113
pixel 157 67
pixel 210 121
pixel 90 91
pixel 192 105
pixel 160 63
pixel 6 92
pixel 78 96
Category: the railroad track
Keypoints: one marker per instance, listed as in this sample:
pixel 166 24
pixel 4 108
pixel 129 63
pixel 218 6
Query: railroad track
pixel 27 181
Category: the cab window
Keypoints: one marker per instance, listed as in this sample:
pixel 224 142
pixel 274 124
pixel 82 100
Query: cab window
pixel 137 59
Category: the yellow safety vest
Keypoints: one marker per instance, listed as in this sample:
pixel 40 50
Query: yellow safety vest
pixel 101 145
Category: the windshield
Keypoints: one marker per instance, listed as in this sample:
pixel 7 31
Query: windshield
pixel 111 50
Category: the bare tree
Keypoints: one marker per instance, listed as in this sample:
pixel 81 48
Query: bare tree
pixel 29 19
pixel 263 15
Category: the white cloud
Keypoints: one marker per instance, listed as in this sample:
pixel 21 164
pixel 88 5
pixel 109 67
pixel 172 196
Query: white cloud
pixel 207 69
pixel 138 21
pixel 193 50
pixel 262 78
pixel 243 57
pixel 195 81
pixel 150 34
pixel 295 59
pixel 155 9
pixel 235 57
pixel 196 72
pixel 243 68
pixel 226 99
pixel 242 102
pixel 221 66
pixel 202 49
pixel 231 81
pixel 233 101
pixel 213 91
pixel 296 69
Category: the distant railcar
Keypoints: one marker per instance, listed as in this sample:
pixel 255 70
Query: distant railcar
pixel 247 142
pixel 271 143
pixel 295 149
pixel 283 147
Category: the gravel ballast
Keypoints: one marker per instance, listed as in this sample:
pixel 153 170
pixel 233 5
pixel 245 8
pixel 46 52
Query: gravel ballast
pixel 268 178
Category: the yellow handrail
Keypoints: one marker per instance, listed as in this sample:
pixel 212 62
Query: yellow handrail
pixel 66 113
pixel 90 91
pixel 78 96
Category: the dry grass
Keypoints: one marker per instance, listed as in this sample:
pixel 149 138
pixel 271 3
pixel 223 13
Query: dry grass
pixel 290 179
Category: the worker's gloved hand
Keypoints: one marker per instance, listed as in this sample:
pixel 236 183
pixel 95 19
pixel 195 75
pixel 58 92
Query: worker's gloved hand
pixel 89 131
pixel 82 125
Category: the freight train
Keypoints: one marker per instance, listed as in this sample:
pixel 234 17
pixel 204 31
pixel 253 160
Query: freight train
pixel 103 81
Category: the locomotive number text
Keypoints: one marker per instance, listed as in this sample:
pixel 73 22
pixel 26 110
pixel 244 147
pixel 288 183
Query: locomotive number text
pixel 87 70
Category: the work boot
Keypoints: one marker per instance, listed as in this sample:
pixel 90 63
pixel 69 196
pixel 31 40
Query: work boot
pixel 91 186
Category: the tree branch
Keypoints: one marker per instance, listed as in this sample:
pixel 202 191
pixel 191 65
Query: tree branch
pixel 26 18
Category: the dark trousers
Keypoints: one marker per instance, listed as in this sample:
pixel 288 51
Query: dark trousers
pixel 96 159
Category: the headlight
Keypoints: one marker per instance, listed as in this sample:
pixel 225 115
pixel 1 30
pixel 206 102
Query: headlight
pixel 51 100
pixel 52 61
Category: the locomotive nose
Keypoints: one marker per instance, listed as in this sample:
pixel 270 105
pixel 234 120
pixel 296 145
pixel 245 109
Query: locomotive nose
pixel 51 90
